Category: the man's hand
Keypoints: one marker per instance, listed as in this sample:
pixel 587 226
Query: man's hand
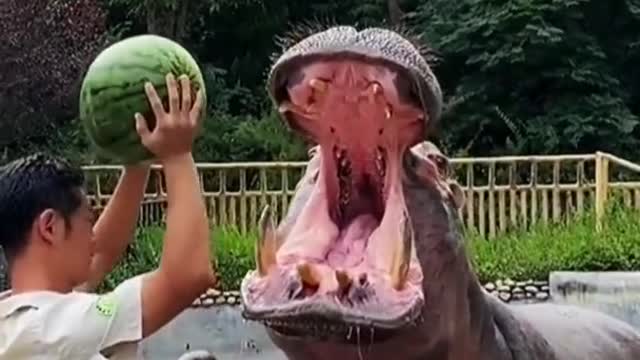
pixel 176 129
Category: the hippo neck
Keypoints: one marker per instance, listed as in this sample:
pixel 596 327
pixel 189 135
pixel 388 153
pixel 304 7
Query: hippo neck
pixel 458 323
pixel 465 323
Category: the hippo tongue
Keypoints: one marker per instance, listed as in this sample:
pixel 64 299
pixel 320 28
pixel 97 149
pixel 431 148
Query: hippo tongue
pixel 351 242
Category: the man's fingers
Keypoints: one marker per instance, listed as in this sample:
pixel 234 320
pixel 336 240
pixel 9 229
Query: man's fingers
pixel 141 126
pixel 174 97
pixel 154 101
pixel 195 113
pixel 185 85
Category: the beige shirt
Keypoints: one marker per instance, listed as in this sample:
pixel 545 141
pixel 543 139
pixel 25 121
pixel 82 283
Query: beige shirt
pixel 74 326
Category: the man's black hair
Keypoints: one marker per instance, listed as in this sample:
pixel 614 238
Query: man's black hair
pixel 29 186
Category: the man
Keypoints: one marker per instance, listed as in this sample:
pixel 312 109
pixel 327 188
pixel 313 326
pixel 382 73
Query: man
pixel 53 248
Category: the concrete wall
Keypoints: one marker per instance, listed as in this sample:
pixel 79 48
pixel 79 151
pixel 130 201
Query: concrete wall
pixel 614 293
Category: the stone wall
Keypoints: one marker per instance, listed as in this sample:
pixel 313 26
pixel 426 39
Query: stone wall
pixel 508 291
pixel 514 291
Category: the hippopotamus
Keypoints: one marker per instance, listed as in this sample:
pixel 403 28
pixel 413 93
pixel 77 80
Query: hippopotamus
pixel 369 261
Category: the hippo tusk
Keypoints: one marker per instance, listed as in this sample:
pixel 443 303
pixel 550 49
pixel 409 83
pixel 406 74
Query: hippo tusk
pixel 319 85
pixel 309 275
pixel 267 243
pixel 402 254
pixel 343 279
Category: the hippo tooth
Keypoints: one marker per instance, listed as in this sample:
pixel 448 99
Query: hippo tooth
pixel 402 254
pixel 308 274
pixel 344 162
pixel 266 248
pixel 387 112
pixel 377 89
pixel 374 89
pixel 318 85
pixel 380 161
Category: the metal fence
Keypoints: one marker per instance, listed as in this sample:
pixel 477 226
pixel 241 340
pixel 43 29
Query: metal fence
pixel 502 193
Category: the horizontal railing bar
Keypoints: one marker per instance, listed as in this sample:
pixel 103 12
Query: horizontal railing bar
pixel 497 188
pixel 207 165
pixel 294 164
pixel 625 184
pixel 622 162
pixel 522 158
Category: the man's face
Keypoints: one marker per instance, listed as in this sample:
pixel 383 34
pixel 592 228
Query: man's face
pixel 72 243
pixel 79 243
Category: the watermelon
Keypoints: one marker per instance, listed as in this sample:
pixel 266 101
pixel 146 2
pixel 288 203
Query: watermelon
pixel 113 91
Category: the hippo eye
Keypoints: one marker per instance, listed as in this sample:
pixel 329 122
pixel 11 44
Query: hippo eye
pixel 443 166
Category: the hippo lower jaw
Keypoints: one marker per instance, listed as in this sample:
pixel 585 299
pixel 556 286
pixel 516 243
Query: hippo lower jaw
pixel 348 260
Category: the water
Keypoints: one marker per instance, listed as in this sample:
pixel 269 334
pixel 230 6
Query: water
pixel 219 330
pixel 614 293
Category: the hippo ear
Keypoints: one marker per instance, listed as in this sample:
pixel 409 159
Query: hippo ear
pixel 311 153
pixel 457 194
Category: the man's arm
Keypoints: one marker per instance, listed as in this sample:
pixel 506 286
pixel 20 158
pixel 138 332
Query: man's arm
pixel 115 227
pixel 185 269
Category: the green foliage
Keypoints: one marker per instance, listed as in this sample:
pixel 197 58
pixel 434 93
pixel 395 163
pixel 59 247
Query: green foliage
pixel 233 253
pixel 534 76
pixel 521 255
pixel 519 77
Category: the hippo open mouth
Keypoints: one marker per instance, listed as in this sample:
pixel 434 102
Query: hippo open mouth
pixel 344 259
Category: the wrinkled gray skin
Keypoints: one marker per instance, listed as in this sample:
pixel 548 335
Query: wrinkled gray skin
pixel 459 320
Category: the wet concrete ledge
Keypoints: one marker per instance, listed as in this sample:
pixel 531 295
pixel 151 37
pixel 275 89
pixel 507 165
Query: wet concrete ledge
pixel 217 329
pixel 214 323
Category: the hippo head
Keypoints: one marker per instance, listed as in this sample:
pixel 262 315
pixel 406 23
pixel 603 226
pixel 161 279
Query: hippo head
pixel 372 225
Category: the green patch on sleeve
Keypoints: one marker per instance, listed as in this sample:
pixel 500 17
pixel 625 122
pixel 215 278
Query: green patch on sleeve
pixel 107 305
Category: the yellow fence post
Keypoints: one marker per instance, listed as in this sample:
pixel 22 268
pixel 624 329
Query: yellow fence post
pixel 602 187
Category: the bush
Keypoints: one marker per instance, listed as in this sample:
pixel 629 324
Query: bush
pixel 232 251
pixel 571 246
pixel 520 255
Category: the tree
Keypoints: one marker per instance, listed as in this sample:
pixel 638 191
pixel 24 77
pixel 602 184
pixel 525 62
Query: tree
pixel 45 48
pixel 533 76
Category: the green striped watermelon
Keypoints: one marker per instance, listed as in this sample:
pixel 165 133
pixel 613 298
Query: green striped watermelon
pixel 113 91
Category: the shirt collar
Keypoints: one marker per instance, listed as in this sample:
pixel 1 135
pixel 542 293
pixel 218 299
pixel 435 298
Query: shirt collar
pixel 9 303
